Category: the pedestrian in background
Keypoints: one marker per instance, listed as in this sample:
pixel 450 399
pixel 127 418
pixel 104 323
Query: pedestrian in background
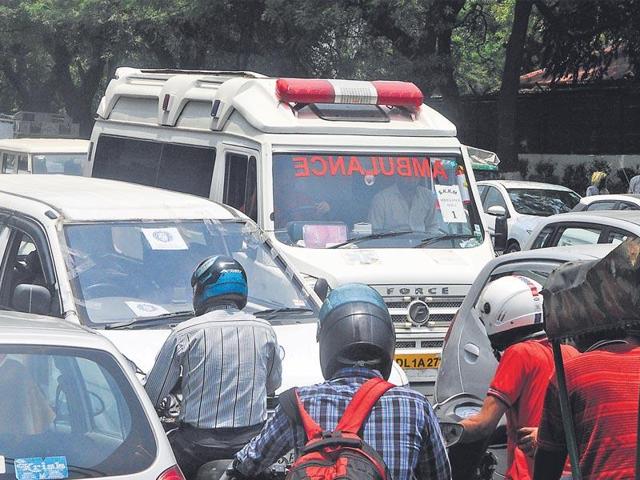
pixel 598 184
pixel 634 185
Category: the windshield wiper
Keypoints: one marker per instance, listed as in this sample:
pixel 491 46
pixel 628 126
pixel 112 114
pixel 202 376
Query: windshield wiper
pixel 373 236
pixel 272 313
pixel 147 320
pixel 454 236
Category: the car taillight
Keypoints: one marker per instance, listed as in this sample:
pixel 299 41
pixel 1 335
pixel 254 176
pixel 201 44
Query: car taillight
pixel 172 473
pixel 302 90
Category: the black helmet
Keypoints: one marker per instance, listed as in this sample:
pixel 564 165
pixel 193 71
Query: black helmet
pixel 355 328
pixel 218 280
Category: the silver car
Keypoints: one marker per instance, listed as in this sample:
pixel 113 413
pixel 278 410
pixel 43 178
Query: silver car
pixel 468 362
pixel 72 407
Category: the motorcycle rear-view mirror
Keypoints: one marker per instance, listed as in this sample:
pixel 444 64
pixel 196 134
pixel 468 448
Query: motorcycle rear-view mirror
pixel 451 432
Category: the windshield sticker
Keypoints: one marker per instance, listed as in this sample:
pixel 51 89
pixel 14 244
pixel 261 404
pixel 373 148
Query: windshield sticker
pixel 323 236
pixel 38 468
pixel 450 202
pixel 3 467
pixel 347 166
pixel 164 238
pixel 143 309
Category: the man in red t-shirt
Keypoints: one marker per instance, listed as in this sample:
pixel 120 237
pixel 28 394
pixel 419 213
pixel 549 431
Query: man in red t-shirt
pixel 604 386
pixel 511 310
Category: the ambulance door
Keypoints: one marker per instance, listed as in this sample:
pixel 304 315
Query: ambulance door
pixel 240 187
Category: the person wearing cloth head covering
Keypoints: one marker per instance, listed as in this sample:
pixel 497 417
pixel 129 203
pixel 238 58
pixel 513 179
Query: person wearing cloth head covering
pixel 598 184
pixel 230 361
pixel 357 343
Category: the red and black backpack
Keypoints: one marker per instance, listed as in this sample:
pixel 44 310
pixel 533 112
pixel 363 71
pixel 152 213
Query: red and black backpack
pixel 341 454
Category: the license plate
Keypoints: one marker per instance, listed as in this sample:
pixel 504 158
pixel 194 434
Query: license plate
pixel 418 360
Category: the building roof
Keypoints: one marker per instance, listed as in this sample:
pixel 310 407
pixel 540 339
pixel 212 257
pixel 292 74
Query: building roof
pixel 88 199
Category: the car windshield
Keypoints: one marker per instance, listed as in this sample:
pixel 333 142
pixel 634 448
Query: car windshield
pixel 74 414
pixel 535 201
pixel 123 271
pixel 358 200
pixel 66 163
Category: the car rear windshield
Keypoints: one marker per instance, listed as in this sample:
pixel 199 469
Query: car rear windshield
pixel 530 201
pixel 69 413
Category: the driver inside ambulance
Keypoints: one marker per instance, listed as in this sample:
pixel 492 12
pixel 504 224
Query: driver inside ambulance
pixel 405 205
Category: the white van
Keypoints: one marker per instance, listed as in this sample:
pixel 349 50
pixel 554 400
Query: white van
pixel 354 181
pixel 44 155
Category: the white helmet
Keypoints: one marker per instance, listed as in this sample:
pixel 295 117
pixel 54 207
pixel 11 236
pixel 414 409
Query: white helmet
pixel 509 303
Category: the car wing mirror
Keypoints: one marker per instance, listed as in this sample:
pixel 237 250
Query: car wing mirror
pixel 31 299
pixel 497 211
pixel 321 288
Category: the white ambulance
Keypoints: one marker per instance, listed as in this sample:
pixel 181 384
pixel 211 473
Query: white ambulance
pixel 355 181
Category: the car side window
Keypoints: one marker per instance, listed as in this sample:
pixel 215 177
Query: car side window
pixel 493 198
pixel 22 266
pixel 481 190
pixel 570 236
pixel 601 206
pixel 543 238
pixel 617 236
pixel 628 206
pixel 9 163
pixel 23 163
pixel 240 184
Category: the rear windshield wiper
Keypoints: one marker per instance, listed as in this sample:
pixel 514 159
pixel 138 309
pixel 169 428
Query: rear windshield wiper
pixel 146 320
pixel 454 236
pixel 272 313
pixel 373 236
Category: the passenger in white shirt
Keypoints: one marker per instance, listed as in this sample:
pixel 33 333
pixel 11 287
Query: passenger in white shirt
pixel 405 205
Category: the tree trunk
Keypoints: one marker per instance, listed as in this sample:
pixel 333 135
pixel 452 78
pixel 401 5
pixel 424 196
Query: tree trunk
pixel 508 98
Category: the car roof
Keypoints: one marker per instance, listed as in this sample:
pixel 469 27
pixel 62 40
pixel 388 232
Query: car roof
pixel 607 217
pixel 565 254
pixel 614 196
pixel 91 199
pixel 523 184
pixel 30 329
pixel 45 145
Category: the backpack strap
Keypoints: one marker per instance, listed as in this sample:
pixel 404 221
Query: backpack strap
pixel 294 409
pixel 361 405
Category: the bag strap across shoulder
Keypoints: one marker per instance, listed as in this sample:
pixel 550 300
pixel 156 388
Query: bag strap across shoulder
pixel 361 405
pixel 354 416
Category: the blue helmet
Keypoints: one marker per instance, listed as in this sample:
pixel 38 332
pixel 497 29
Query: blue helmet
pixel 355 328
pixel 218 280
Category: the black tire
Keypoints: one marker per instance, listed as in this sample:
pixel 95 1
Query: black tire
pixel 513 247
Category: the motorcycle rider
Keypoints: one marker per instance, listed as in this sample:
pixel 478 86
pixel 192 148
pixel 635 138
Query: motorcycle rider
pixel 230 361
pixel 511 310
pixel 356 342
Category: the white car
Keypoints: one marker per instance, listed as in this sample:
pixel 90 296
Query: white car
pixel 118 257
pixel 623 201
pixel 44 155
pixel 585 228
pixel 523 203
pixel 72 406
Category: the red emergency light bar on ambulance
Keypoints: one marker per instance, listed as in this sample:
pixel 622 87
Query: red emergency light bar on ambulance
pixel 352 181
pixel 390 93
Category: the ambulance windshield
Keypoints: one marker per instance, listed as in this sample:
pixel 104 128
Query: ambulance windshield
pixel 358 200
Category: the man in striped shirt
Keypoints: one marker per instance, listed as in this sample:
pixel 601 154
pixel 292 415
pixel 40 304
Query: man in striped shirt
pixel 229 360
